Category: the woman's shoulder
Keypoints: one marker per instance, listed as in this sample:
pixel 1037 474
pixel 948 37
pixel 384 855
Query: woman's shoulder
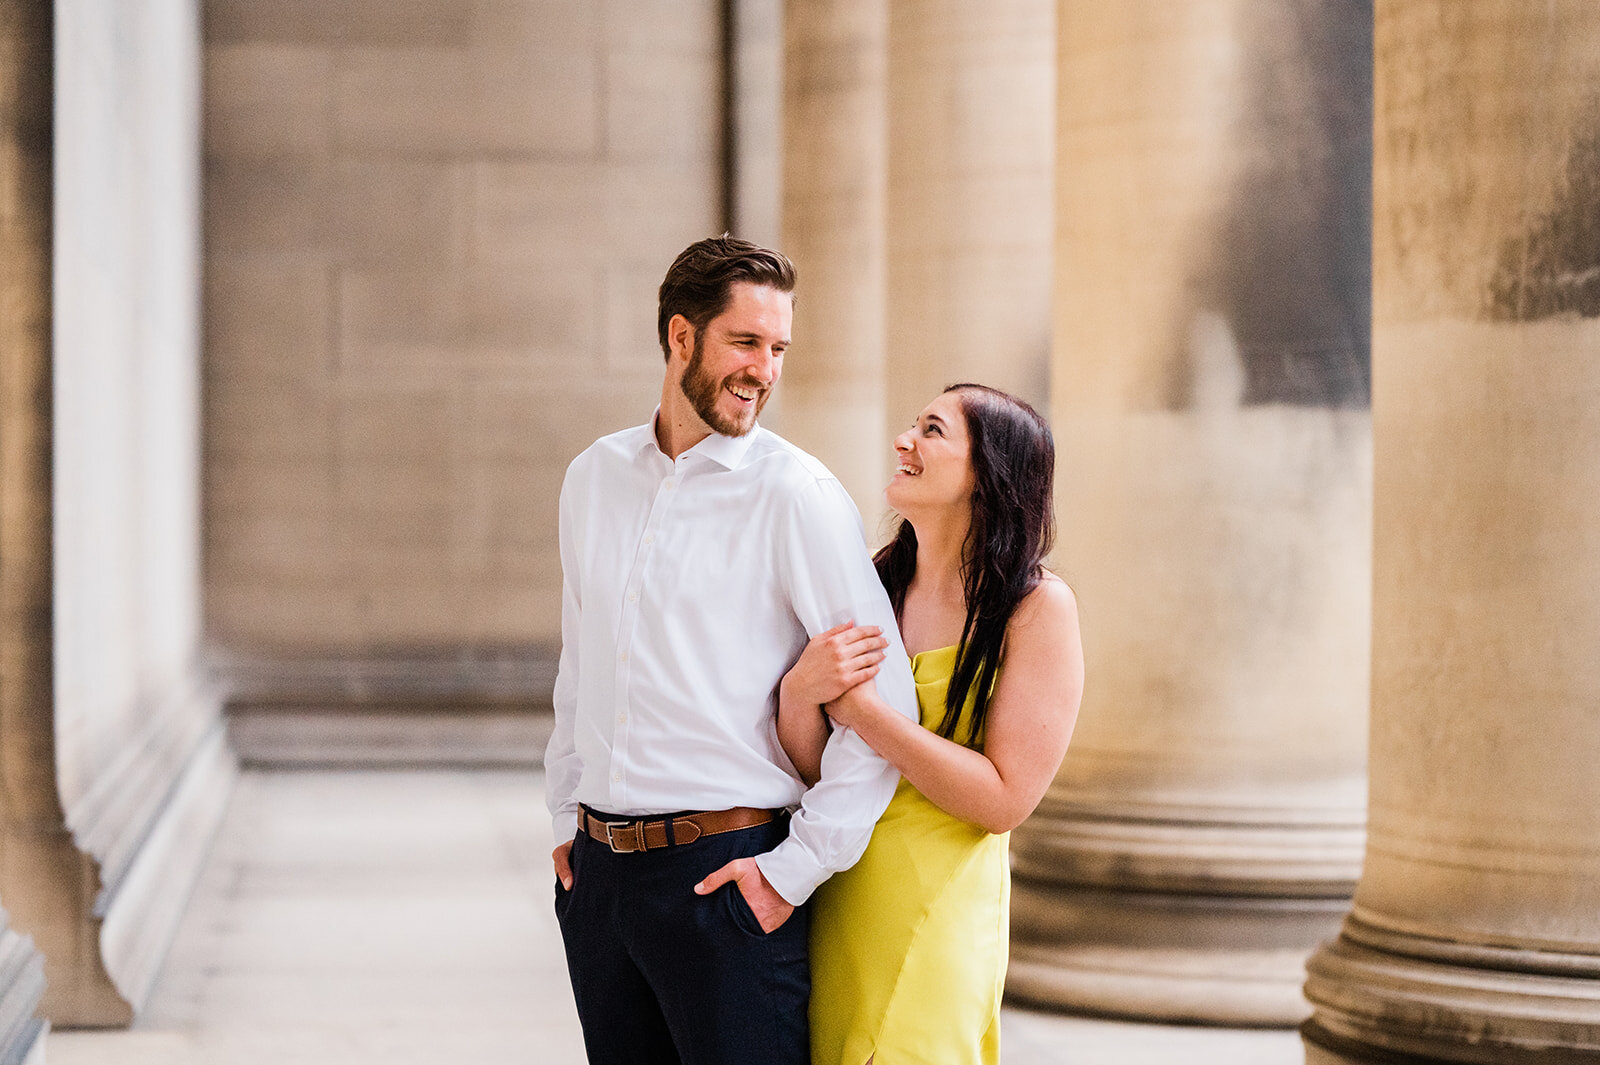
pixel 1048 612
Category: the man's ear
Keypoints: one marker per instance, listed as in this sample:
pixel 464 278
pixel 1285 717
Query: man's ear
pixel 680 336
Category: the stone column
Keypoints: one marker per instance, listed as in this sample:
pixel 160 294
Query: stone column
pixel 970 178
pixel 1475 931
pixel 1211 416
pixel 44 880
pixel 114 767
pixel 834 159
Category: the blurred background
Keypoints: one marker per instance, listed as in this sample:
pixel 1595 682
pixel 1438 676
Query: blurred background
pixel 307 304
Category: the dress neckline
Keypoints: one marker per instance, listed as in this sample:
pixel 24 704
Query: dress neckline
pixel 932 651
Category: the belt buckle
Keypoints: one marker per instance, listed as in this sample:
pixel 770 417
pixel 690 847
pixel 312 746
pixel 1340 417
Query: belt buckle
pixel 627 828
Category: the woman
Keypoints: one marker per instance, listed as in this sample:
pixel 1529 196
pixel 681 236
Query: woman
pixel 908 947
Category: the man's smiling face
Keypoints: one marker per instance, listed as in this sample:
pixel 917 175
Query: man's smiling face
pixel 738 358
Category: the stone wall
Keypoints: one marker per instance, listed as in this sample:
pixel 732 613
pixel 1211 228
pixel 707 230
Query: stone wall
pixel 434 231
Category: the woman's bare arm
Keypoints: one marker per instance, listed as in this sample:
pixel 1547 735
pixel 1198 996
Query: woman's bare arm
pixel 832 663
pixel 1030 720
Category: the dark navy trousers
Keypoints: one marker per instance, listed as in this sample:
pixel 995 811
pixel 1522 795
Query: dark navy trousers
pixel 663 976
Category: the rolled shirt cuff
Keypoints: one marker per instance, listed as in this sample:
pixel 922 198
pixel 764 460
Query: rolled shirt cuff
pixel 791 872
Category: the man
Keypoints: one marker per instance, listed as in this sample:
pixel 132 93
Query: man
pixel 699 552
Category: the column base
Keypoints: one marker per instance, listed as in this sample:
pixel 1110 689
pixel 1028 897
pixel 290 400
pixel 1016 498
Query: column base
pixel 1387 996
pixel 1167 957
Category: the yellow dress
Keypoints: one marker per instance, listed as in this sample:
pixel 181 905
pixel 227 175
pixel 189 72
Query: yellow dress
pixel 908 946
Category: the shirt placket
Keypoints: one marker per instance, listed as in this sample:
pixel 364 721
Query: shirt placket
pixel 633 591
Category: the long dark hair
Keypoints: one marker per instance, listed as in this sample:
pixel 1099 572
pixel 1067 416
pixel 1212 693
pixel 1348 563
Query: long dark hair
pixel 1012 526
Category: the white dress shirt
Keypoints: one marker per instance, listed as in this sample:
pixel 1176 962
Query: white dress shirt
pixel 689 589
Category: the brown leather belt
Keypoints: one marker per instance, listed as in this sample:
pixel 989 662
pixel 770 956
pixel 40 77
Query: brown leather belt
pixel 648 834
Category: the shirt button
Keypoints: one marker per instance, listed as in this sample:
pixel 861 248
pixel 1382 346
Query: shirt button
pixel 633 597
pixel 617 777
pixel 622 719
pixel 668 483
pixel 649 539
pixel 623 657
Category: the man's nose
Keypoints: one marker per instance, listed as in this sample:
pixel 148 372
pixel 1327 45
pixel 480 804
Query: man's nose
pixel 764 367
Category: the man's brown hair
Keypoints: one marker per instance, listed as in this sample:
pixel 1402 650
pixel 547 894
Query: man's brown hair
pixel 700 281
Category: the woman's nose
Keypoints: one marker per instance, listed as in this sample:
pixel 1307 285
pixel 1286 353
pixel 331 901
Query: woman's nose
pixel 903 441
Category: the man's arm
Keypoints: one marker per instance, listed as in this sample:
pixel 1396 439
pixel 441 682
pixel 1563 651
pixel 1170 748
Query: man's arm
pixel 830 579
pixel 562 766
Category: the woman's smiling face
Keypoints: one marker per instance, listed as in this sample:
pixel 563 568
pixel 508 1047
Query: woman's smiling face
pixel 935 460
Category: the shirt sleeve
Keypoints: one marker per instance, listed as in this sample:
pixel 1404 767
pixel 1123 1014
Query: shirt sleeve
pixel 830 579
pixel 562 766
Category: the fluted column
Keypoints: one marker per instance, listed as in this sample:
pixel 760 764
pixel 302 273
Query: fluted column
pixel 1211 413
pixel 833 228
pixel 46 884
pixel 971 189
pixel 114 768
pixel 1475 931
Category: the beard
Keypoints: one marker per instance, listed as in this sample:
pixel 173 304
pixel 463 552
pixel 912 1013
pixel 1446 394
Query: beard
pixel 703 391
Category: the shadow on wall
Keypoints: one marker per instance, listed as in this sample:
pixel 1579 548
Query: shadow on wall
pixel 1290 274
pixel 1554 269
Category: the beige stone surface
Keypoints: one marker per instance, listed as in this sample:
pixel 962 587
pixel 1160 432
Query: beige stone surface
pixel 971 138
pixel 434 236
pixel 835 155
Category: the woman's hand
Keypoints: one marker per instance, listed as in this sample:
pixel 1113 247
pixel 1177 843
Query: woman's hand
pixel 855 705
pixel 834 662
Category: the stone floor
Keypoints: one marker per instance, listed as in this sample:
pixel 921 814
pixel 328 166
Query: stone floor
pixel 399 917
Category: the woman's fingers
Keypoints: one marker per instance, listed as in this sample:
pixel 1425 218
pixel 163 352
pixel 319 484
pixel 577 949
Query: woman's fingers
pixel 862 654
pixel 838 630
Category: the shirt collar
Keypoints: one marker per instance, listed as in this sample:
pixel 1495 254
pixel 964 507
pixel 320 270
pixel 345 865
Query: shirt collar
pixel 726 451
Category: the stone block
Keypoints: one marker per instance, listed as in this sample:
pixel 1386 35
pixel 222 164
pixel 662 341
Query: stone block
pixel 282 614
pixel 265 543
pixel 397 424
pixel 348 22
pixel 552 210
pixel 662 27
pixel 536 28
pixel 435 101
pixel 260 206
pixel 509 320
pixel 248 485
pixel 267 100
pixel 511 508
pixel 393 503
pixel 632 343
pixel 664 106
pixel 269 320
pixel 514 611
pixel 419 605
pixel 250 420
pixel 399 212
pixel 541 423
pixel 656 210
